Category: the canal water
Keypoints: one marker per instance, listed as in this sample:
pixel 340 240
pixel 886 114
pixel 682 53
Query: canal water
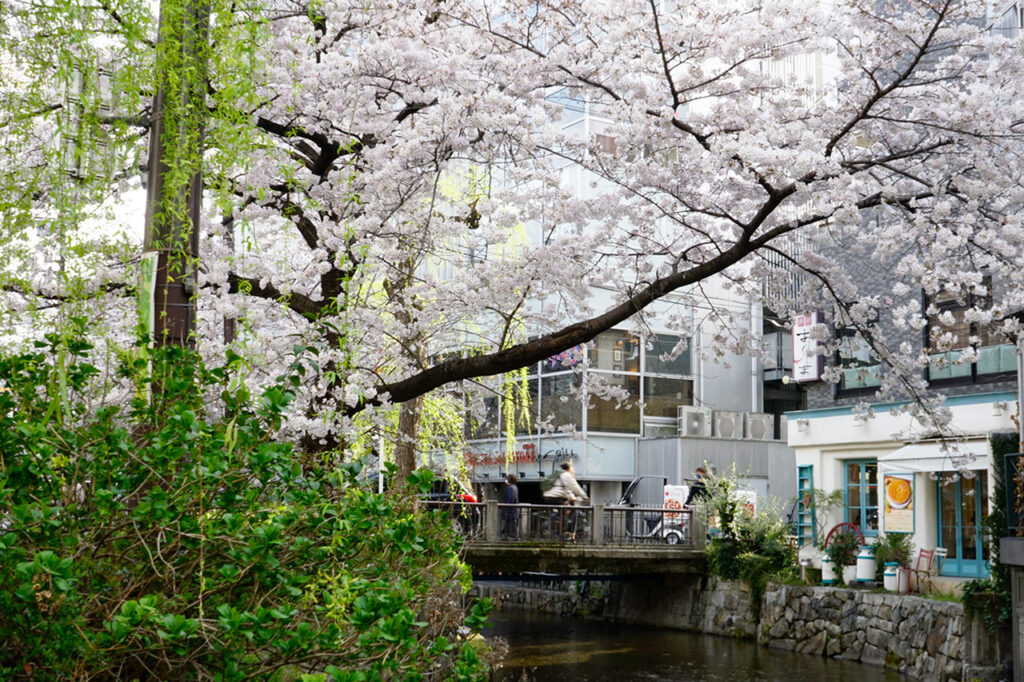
pixel 545 648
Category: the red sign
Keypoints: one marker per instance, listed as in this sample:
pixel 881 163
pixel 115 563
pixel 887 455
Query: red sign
pixel 526 455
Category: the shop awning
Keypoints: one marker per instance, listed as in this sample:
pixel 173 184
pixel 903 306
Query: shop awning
pixel 937 456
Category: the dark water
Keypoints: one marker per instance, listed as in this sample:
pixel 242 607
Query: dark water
pixel 545 648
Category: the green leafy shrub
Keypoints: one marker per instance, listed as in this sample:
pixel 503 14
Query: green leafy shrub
pixel 894 547
pixel 180 540
pixel 754 548
pixel 843 548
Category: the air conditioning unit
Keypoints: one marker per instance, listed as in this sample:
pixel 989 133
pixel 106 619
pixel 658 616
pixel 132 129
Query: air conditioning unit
pixel 694 421
pixel 759 426
pixel 728 424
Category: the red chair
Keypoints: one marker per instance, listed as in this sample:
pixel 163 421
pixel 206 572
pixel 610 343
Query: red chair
pixel 922 570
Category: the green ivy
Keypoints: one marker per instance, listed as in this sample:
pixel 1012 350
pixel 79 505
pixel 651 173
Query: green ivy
pixel 179 539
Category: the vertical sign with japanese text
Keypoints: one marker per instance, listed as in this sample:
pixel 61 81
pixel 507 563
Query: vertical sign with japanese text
pixel 807 365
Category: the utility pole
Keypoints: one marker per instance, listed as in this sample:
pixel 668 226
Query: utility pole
pixel 174 192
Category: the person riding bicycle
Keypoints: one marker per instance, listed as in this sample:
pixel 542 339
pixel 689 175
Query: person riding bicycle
pixel 566 491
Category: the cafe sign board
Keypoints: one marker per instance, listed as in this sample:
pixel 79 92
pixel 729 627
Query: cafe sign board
pixel 898 503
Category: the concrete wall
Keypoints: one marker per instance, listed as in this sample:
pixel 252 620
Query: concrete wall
pixel 771 465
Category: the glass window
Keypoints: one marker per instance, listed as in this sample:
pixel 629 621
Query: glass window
pixel 616 351
pixel 484 425
pixel 860 367
pixel 563 361
pixel 610 415
pixel 662 396
pixel 862 495
pixel 963 504
pixel 659 345
pixel 558 403
pixel 950 332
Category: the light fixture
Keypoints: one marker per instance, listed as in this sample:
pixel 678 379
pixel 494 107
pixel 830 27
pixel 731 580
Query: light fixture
pixel 998 408
pixel 803 424
pixel 786 379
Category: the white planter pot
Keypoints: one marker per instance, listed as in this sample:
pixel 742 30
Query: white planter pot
pixel 867 567
pixel 828 571
pixel 850 574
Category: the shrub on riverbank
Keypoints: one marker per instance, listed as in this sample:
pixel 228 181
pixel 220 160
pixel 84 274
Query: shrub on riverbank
pixel 750 546
pixel 179 539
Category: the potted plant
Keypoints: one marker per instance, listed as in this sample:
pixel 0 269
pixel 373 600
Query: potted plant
pixel 894 548
pixel 842 550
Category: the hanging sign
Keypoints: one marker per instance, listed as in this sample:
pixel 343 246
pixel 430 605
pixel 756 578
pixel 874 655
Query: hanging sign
pixel 807 365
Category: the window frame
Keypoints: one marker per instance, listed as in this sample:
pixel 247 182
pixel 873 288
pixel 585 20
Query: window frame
pixel 862 502
pixel 953 305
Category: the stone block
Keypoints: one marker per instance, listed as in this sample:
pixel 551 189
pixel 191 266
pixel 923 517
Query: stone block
pixel 852 652
pixel 812 645
pixel 877 638
pixel 873 654
pixel 779 628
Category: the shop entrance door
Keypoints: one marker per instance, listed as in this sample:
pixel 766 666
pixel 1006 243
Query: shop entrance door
pixel 963 502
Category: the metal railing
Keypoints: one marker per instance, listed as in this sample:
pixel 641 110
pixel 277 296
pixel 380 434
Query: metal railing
pixel 592 525
pixel 468 518
pixel 648 525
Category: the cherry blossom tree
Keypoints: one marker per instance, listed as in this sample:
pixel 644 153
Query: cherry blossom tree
pixel 404 190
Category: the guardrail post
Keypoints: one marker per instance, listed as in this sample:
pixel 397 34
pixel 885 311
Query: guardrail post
pixel 699 523
pixel 597 524
pixel 491 521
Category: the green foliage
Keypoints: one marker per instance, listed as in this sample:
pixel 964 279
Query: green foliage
pixel 824 503
pixel 179 539
pixel 843 548
pixel 894 547
pixel 991 597
pixel 754 548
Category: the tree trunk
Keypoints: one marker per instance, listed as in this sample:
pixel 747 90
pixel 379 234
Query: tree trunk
pixel 408 437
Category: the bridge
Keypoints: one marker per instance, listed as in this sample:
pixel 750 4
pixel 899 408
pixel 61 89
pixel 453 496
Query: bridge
pixel 513 539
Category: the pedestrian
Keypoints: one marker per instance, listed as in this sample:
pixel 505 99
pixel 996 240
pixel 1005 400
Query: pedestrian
pixel 566 491
pixel 698 491
pixel 510 515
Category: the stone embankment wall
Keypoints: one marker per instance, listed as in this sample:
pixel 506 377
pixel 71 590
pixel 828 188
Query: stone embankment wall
pixel 924 639
pixel 579 599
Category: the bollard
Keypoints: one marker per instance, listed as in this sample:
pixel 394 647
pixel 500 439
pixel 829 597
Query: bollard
pixel 699 524
pixel 597 524
pixel 491 521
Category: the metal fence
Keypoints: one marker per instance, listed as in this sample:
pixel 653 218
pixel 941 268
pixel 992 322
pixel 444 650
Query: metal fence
pixel 592 525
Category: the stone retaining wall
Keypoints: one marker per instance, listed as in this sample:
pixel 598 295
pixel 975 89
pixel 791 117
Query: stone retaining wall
pixel 579 599
pixel 924 639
